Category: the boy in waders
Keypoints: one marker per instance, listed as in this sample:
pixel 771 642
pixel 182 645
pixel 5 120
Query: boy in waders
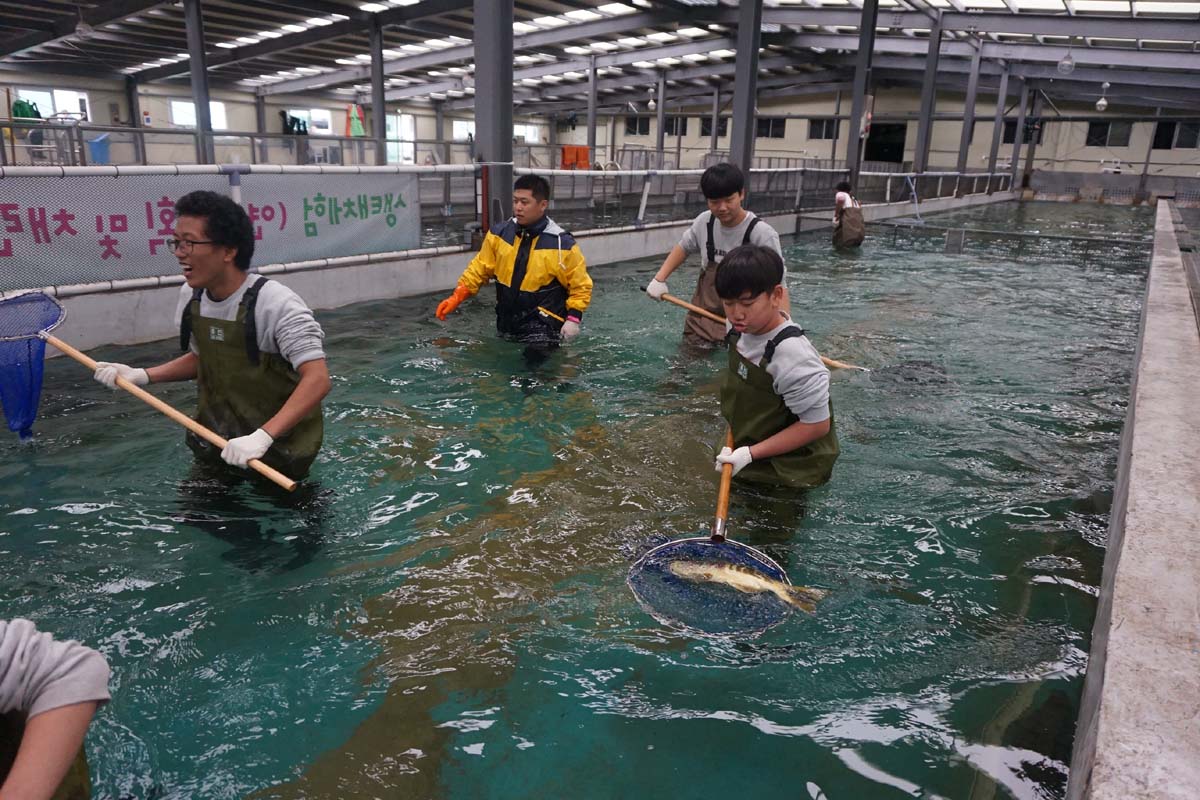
pixel 775 394
pixel 542 282
pixel 724 226
pixel 849 228
pixel 252 344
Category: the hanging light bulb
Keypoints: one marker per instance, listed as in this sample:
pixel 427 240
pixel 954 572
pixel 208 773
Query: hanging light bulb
pixel 1102 103
pixel 82 29
pixel 651 104
pixel 1067 64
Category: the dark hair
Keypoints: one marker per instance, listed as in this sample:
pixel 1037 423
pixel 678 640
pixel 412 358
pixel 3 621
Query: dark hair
pixel 844 186
pixel 539 186
pixel 749 268
pixel 722 180
pixel 225 222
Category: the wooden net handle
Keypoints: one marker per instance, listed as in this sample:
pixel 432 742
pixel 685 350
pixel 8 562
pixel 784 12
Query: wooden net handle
pixel 718 529
pixel 258 466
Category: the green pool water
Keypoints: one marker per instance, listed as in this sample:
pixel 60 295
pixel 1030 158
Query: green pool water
pixel 443 611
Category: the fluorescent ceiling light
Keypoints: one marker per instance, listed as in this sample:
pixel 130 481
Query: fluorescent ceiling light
pixel 227 45
pixel 723 53
pixel 577 51
pixel 1040 5
pixel 574 76
pixel 551 22
pixel 582 15
pixel 552 79
pixel 696 57
pixel 1168 8
pixel 373 7
pixel 317 22
pixel 661 36
pixel 269 35
pixel 632 41
pixel 644 64
pixel 404 2
pixel 692 33
pixel 524 59
pixel 290 28
pixel 984 4
pixel 524 27
pixel 363 56
pixel 605 47
pixel 617 8
pixel 439 44
pixel 1111 6
pixel 667 62
pixel 414 48
pixel 247 40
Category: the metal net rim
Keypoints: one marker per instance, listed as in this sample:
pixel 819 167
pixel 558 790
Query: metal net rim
pixel 6 297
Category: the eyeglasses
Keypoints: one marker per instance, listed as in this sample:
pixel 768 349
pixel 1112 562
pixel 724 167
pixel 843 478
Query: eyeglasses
pixel 185 245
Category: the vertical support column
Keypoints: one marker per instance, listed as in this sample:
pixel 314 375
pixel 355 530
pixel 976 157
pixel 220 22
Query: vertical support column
pixel 998 126
pixel 743 119
pixel 660 119
pixel 135 118
pixel 968 123
pixel 494 101
pixel 928 97
pixel 443 152
pixel 713 140
pixel 260 123
pixel 1141 192
pixel 194 21
pixel 1019 135
pixel 837 128
pixel 1033 140
pixel 378 101
pixel 862 71
pixel 591 113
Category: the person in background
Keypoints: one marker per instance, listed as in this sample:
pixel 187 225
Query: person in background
pixel 542 282
pixel 775 393
pixel 251 344
pixel 849 228
pixel 49 692
pixel 724 188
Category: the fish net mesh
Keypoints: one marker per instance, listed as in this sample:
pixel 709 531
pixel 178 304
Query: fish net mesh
pixel 704 606
pixel 22 354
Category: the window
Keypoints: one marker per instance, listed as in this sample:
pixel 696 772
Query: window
pixel 319 120
pixel 530 133
pixel 676 126
pixel 462 129
pixel 1010 132
pixel 1164 136
pixel 1108 134
pixel 183 114
pixel 401 135
pixel 706 126
pixel 771 127
pixel 822 129
pixel 1189 135
pixel 57 101
pixel 637 126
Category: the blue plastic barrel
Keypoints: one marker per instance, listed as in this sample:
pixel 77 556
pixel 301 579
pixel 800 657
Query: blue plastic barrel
pixel 98 149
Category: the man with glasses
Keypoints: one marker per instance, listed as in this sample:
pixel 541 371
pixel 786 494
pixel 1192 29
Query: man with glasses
pixel 252 345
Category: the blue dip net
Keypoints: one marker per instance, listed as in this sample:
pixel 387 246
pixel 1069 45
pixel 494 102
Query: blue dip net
pixel 707 608
pixel 22 356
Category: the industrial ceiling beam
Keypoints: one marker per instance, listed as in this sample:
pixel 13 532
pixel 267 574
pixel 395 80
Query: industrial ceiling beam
pixel 96 16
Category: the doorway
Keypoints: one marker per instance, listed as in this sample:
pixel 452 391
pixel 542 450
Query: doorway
pixel 885 142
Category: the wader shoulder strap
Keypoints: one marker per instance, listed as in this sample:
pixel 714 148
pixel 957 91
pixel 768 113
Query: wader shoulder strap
pixel 749 229
pixel 790 332
pixel 710 246
pixel 185 322
pixel 249 301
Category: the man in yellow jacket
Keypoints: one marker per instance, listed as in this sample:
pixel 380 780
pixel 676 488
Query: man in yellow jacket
pixel 542 283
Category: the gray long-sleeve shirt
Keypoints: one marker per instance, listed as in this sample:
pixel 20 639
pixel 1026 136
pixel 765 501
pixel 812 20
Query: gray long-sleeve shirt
pixel 40 674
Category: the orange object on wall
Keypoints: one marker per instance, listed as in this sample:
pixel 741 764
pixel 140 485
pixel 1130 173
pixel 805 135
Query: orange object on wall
pixel 575 156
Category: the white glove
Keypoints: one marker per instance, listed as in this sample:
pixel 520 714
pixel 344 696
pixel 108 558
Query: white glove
pixel 570 330
pixel 739 458
pixel 244 448
pixel 656 289
pixel 108 372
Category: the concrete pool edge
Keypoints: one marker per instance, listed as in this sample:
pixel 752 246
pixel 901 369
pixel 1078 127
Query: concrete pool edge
pixel 1138 734
pixel 141 310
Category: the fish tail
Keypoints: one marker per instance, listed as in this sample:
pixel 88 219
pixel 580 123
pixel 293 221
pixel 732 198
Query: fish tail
pixel 805 598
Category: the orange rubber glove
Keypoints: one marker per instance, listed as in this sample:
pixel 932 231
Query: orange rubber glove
pixel 447 306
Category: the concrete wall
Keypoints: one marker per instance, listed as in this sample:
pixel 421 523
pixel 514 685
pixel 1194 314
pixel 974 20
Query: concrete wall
pixel 1139 728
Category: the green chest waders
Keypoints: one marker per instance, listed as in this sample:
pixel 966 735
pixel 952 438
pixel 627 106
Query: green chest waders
pixel 755 412
pixel 241 388
pixel 705 295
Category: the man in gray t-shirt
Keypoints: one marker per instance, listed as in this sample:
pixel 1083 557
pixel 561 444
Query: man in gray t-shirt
pixel 714 233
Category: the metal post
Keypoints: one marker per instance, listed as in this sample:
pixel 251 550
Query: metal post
pixel 591 114
pixel 862 70
pixel 198 65
pixel 1141 192
pixel 713 143
pixel 1037 121
pixel 745 84
pixel 837 128
pixel 260 118
pixel 378 102
pixel 661 121
pixel 928 96
pixel 1019 135
pixel 494 101
pixel 998 126
pixel 439 133
pixel 968 123
pixel 135 117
